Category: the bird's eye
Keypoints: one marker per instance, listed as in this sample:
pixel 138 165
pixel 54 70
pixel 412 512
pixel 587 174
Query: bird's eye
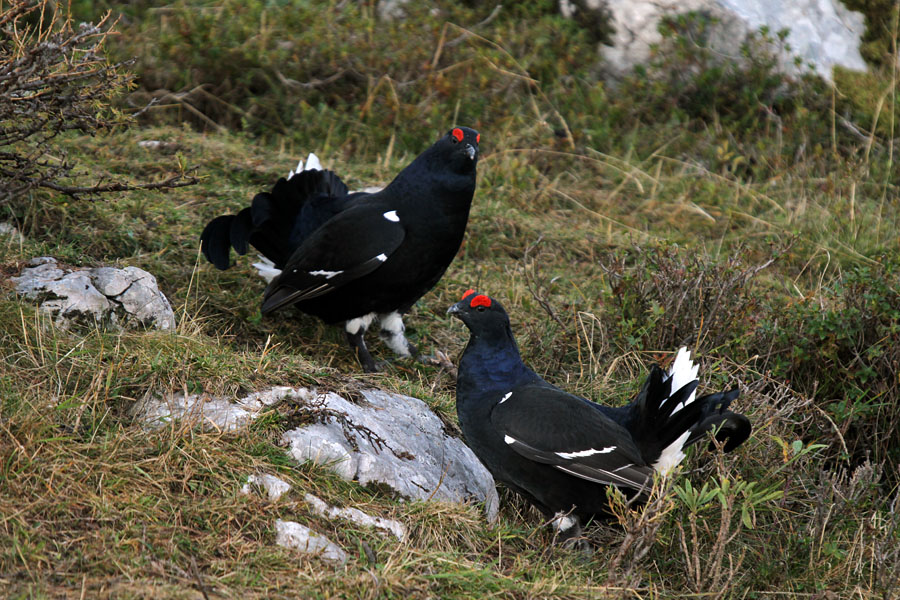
pixel 457 135
pixel 480 308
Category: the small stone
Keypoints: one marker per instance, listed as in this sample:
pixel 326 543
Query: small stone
pixel 290 534
pixel 274 487
pixel 354 515
pixel 8 230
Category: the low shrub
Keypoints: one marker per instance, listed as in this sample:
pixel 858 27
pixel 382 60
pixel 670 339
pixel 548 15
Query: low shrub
pixel 841 347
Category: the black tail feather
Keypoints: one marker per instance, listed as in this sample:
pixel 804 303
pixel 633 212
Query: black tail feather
pixel 241 228
pixel 730 427
pixel 215 241
pixel 278 221
pixel 655 425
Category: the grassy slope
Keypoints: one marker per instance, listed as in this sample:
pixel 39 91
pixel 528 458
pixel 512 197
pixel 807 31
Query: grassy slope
pixel 568 239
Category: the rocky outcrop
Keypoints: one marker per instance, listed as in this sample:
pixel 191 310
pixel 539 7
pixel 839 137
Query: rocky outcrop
pixel 104 296
pixel 393 440
pixel 385 440
pixel 823 33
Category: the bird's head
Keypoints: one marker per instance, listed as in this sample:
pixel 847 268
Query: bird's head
pixel 481 314
pixel 458 150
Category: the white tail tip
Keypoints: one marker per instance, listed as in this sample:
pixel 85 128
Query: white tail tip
pixel 312 163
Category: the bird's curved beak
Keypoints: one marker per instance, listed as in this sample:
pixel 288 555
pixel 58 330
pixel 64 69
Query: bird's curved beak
pixel 456 310
pixel 471 151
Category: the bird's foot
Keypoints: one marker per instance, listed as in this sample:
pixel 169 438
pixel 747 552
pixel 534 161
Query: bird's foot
pixel 578 544
pixel 568 533
pixel 358 344
pixel 438 359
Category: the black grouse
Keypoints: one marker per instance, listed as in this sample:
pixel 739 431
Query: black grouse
pixel 561 451
pixel 356 257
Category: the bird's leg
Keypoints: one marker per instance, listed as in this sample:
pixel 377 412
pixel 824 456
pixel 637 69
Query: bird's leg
pixel 392 332
pixel 356 329
pixel 568 532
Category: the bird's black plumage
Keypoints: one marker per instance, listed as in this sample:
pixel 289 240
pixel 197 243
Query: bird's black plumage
pixel 561 451
pixel 356 257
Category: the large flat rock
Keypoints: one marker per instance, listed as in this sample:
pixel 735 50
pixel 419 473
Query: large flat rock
pixel 386 440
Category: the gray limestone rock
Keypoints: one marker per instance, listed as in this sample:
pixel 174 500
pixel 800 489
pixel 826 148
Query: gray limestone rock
pixel 275 487
pixel 104 296
pixel 322 508
pixel 390 440
pixel 824 33
pixel 208 412
pixel 299 537
pixel 393 440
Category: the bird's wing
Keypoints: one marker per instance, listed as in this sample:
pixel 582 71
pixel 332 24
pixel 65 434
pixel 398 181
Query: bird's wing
pixel 550 426
pixel 352 244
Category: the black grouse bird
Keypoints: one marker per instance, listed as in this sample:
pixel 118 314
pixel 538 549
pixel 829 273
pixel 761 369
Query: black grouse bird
pixel 561 451
pixel 356 257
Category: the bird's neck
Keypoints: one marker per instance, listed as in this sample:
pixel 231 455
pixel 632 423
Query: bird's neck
pixel 448 190
pixel 491 362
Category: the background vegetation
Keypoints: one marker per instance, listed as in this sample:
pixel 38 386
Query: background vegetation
pixel 701 201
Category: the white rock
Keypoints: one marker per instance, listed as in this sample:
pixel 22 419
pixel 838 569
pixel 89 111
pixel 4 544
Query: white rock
pixel 104 296
pixel 110 281
pixel 275 487
pixel 8 230
pixel 299 537
pixel 323 445
pixel 208 412
pixel 823 33
pixel 396 441
pixel 393 440
pixel 143 300
pixel 354 515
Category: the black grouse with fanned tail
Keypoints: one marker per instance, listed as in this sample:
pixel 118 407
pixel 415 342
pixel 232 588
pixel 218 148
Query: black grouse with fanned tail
pixel 358 257
pixel 561 451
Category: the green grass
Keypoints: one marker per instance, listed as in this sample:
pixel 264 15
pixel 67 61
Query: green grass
pixel 645 232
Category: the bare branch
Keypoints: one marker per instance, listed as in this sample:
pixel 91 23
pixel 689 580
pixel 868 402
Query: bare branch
pixel 176 181
pixel 54 78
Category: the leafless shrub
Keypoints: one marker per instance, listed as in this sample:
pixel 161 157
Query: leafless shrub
pixel 850 506
pixel 667 297
pixel 54 78
pixel 641 527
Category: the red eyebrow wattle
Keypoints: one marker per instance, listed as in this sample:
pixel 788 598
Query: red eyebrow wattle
pixel 480 300
pixel 458 134
pixel 467 293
